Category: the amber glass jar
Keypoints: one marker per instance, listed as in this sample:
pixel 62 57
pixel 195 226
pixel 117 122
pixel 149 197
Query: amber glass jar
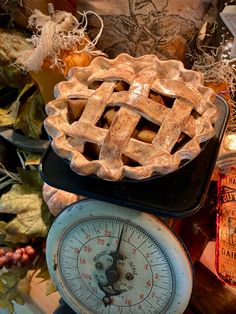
pixel 226 221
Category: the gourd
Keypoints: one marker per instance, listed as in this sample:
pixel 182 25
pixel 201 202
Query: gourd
pixel 59 44
pixel 57 200
pixel 49 76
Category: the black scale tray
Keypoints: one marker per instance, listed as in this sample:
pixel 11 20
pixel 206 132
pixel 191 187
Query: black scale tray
pixel 178 194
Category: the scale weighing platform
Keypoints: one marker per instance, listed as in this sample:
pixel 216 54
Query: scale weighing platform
pixel 107 254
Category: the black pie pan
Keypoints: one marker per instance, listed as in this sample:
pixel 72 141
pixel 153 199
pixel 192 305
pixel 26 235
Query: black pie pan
pixel 178 194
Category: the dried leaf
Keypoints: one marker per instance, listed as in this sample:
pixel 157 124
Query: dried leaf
pixel 43 273
pixel 32 159
pixel 8 116
pixel 50 287
pixel 10 291
pixel 2 303
pixel 9 279
pixel 31 116
pixel 2 288
pixel 19 299
pixel 11 202
pixel 10 308
pixel 23 285
pixel 202 32
pixel 25 200
pixel 33 218
pixel 12 76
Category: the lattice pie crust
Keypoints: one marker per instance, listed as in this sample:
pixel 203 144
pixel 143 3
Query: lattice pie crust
pixel 130 117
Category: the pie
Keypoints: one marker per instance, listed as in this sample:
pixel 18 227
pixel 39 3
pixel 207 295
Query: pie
pixel 130 117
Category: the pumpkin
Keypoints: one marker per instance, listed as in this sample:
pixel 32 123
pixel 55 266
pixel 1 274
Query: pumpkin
pixel 60 43
pixel 49 76
pixel 57 200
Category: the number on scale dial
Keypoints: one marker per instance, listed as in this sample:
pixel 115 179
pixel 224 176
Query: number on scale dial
pixel 110 259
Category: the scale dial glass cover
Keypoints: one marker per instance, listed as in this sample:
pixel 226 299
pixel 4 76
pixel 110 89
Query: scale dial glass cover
pixel 104 258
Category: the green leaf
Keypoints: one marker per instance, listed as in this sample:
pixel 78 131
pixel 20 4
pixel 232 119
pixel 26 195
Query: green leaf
pixel 19 299
pixel 31 116
pixel 8 116
pixel 10 307
pixel 2 231
pixel 31 178
pixel 43 273
pixel 2 287
pixel 12 292
pixel 33 217
pixel 50 287
pixel 9 279
pixel 3 303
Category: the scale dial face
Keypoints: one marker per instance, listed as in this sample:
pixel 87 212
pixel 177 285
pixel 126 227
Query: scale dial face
pixel 105 258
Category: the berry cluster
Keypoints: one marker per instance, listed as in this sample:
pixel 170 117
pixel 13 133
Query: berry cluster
pixel 17 257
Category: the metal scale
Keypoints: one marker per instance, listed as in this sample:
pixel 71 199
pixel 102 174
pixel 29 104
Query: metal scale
pixel 107 254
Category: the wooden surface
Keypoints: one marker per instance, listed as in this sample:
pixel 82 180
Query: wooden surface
pixel 210 295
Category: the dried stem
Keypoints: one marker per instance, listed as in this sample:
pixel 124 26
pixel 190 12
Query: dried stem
pixel 208 60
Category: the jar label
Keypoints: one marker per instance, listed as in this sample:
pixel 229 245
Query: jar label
pixel 226 237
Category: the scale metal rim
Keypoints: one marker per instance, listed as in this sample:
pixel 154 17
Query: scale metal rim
pixel 170 242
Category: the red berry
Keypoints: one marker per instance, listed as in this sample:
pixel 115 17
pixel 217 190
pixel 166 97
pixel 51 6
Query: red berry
pixel 29 250
pixel 9 256
pixel 18 251
pixel 24 258
pixel 17 257
pixel 3 261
